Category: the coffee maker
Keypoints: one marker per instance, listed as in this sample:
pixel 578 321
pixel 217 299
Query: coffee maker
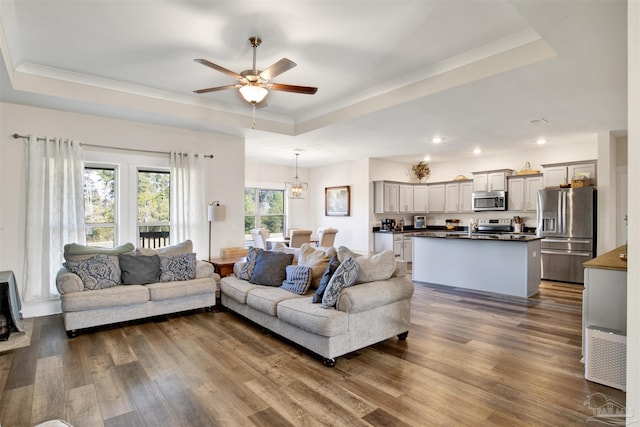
pixel 388 224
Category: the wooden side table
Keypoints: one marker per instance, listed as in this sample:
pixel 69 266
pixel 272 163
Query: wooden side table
pixel 224 266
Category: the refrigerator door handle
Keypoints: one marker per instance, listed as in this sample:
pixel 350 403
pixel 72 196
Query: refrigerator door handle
pixel 547 240
pixel 563 212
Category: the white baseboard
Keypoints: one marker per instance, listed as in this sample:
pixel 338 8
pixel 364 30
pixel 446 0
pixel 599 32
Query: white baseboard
pixel 41 308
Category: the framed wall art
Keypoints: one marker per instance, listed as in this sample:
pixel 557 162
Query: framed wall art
pixel 337 201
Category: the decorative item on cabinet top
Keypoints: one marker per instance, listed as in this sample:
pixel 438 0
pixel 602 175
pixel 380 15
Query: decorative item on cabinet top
pixel 421 171
pixel 526 170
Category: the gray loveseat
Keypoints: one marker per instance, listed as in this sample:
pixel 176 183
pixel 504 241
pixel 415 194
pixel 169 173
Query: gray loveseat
pixel 374 309
pixel 96 293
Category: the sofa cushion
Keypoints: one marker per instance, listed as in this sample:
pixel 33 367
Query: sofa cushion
pixel 97 272
pixel 185 247
pixel 298 279
pixel 246 271
pixel 116 296
pixel 367 296
pixel 344 276
pixel 379 266
pixel 75 252
pixel 139 270
pixel 271 268
pixel 302 313
pixel 267 298
pixel 281 247
pixel 177 267
pixel 173 290
pixel 236 289
pixel 317 259
pixel 334 263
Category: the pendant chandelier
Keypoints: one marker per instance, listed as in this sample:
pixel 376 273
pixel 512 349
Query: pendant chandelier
pixel 296 189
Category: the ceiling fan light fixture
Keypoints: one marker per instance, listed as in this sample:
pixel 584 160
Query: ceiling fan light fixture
pixel 296 189
pixel 253 93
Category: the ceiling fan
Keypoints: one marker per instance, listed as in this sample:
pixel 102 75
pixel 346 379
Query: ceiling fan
pixel 254 85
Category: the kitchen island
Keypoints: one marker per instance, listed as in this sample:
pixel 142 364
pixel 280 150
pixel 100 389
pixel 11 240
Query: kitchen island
pixel 502 263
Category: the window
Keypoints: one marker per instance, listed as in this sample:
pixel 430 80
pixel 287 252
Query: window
pixel 100 206
pixel 153 208
pixel 263 208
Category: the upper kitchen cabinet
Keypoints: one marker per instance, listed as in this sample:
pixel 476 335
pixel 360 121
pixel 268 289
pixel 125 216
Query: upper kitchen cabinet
pixel 386 196
pixel 522 192
pixel 405 198
pixel 458 196
pixel 562 173
pixel 491 180
pixel 436 197
pixel 420 199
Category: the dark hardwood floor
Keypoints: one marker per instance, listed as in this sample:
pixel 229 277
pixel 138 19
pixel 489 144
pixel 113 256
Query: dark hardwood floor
pixel 470 359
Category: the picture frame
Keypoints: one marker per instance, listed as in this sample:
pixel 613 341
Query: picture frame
pixel 337 201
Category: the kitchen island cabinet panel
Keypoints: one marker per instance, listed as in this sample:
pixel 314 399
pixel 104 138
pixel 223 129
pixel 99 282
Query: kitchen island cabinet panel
pixel 510 267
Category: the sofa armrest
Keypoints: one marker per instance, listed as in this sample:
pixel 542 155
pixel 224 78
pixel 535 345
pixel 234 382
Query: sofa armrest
pixel 366 296
pixel 67 282
pixel 204 270
pixel 401 268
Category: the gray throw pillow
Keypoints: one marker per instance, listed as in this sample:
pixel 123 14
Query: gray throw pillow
pixel 298 279
pixel 334 263
pixel 98 272
pixel 344 276
pixel 177 267
pixel 271 268
pixel 247 269
pixel 139 269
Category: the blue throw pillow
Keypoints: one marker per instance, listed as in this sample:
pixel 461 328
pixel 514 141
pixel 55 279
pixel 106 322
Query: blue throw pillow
pixel 97 272
pixel 344 276
pixel 177 267
pixel 298 279
pixel 271 268
pixel 334 263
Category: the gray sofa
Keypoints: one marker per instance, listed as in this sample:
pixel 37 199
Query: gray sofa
pixel 366 313
pixel 84 305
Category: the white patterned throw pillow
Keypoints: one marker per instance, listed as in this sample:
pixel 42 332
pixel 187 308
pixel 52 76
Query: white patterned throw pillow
pixel 344 276
pixel 177 267
pixel 98 272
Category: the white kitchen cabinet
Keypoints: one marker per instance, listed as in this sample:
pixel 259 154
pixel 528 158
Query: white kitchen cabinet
pixel 405 198
pixel 491 180
pixel 458 196
pixel 407 249
pixel 388 241
pixel 386 197
pixel 436 197
pixel 522 193
pixel 451 202
pixel 562 173
pixel 420 199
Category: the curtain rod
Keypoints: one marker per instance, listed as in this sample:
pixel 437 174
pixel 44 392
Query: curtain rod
pixel 206 156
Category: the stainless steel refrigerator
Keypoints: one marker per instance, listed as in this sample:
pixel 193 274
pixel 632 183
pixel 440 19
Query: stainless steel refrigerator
pixel 567 223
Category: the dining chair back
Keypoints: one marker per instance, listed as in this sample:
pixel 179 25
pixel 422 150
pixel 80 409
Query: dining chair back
pixel 326 236
pixel 260 236
pixel 298 237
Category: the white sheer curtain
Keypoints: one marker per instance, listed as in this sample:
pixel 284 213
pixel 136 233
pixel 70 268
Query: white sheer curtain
pixel 188 209
pixel 55 212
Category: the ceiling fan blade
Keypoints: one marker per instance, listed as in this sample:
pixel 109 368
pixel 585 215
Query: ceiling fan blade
pixel 278 68
pixel 215 89
pixel 307 90
pixel 219 68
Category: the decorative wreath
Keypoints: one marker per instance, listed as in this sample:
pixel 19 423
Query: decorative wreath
pixel 420 170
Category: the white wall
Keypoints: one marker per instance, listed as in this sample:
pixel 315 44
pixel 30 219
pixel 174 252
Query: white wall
pixel 224 174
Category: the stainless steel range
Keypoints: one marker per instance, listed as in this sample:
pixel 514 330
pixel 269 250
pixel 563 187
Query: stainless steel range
pixel 495 226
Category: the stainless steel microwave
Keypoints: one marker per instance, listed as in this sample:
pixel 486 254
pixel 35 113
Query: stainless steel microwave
pixel 489 201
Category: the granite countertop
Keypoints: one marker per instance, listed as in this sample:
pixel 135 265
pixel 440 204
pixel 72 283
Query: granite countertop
pixel 510 237
pixel 610 260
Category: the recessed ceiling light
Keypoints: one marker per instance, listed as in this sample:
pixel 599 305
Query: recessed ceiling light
pixel 477 151
pixel 541 141
pixel 437 139
pixel 427 158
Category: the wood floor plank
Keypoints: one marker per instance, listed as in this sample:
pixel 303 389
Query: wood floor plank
pixel 471 358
